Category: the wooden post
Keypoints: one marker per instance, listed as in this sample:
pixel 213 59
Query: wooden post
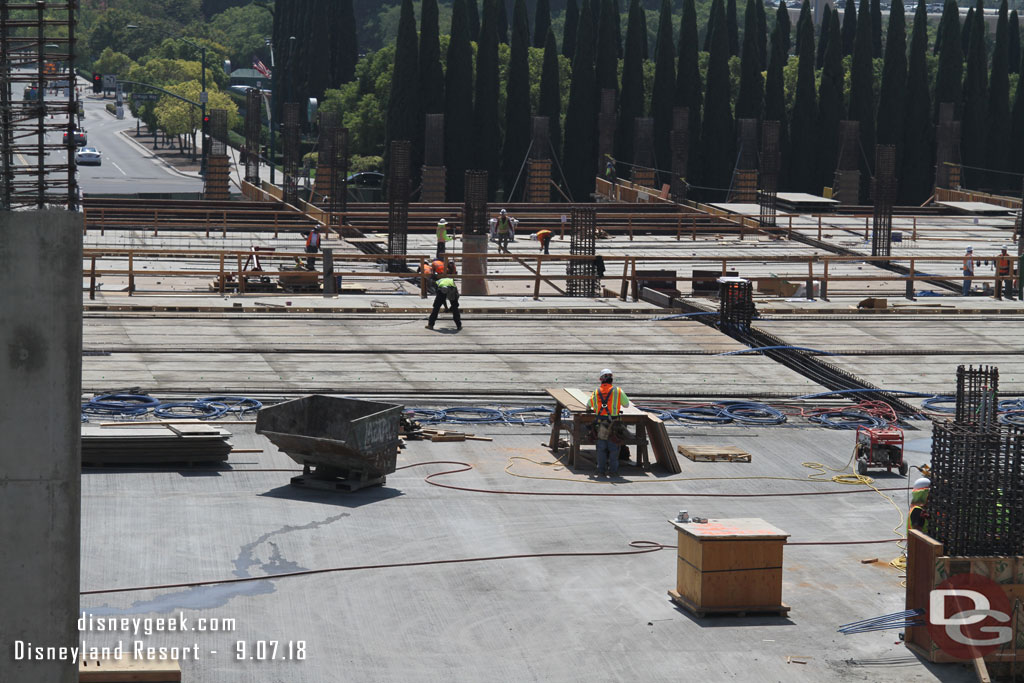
pixel 275 225
pixel 914 236
pixel 156 222
pixel 220 277
pixel 910 282
pixel 866 235
pixel 131 273
pixel 224 234
pixel 679 227
pixel 819 226
pixel 536 281
pixel 423 279
pixel 625 281
pixel 636 293
pixel 92 279
pixel 241 279
pixel 630 227
pixel 824 281
pixel 790 235
pixel 693 229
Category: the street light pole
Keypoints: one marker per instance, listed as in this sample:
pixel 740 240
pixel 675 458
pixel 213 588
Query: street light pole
pixel 273 104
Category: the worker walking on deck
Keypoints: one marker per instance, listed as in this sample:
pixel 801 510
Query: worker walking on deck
pixel 607 403
pixel 504 230
pixel 968 270
pixel 918 517
pixel 442 237
pixel 312 247
pixel 1004 275
pixel 446 292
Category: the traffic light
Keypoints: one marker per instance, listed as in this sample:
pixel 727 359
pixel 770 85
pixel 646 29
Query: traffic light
pixel 97 82
pixel 206 133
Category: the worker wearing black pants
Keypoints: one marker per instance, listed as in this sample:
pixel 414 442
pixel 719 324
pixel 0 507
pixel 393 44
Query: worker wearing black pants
pixel 446 291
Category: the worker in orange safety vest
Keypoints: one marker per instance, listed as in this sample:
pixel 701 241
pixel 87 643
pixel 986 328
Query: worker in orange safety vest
pixel 312 247
pixel 607 402
pixel 1004 275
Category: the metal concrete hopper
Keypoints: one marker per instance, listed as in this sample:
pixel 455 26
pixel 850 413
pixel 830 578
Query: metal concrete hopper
pixel 341 443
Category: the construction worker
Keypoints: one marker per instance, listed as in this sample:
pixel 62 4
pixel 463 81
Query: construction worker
pixel 504 230
pixel 438 266
pixel 312 247
pixel 446 292
pixel 968 270
pixel 442 236
pixel 607 402
pixel 544 237
pixel 918 517
pixel 1004 274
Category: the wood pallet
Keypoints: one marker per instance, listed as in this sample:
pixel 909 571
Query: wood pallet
pixel 778 610
pixel 714 453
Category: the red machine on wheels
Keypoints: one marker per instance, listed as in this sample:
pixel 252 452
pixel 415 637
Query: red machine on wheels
pixel 879 447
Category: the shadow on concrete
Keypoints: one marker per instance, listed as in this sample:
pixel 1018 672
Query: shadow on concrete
pixel 340 498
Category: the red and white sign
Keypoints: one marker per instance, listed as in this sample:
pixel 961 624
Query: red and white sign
pixel 969 616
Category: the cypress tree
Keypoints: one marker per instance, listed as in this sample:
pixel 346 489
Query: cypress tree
pixel 572 19
pixel 517 99
pixel 595 10
pixel 830 104
pixel 1016 141
pixel 951 61
pixel 750 100
pixel 1013 43
pixel 916 170
pixel 762 36
pixel 663 91
pixel 473 17
pixel 891 102
pixel 826 27
pixel 431 74
pixel 802 161
pixel 786 30
pixel 688 89
pixel 502 22
pixel 550 103
pixel 940 31
pixel 717 140
pixel 541 23
pixel 849 27
pixel 403 106
pixel 580 158
pixel 710 28
pixel 458 101
pixel 998 128
pixel 345 44
pixel 965 31
pixel 617 16
pixel 486 129
pixel 631 104
pixel 733 26
pixel 804 18
pixel 607 69
pixel 775 98
pixel 975 102
pixel 862 79
pixel 876 30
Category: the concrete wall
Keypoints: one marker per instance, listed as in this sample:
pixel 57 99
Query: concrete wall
pixel 40 468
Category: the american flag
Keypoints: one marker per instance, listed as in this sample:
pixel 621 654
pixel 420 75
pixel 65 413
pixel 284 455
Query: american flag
pixel 260 66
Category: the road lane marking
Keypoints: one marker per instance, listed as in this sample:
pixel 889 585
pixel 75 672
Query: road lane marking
pixel 119 168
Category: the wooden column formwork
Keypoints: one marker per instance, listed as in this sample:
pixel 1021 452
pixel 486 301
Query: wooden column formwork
pixel 538 181
pixel 216 183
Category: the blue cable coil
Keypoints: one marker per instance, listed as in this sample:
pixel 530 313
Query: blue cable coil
pixel 235 404
pixel 202 410
pixel 849 418
pixel 746 412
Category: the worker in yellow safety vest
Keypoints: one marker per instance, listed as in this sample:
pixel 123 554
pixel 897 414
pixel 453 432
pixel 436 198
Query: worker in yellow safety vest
pixel 442 237
pixel 446 292
pixel 918 517
pixel 607 403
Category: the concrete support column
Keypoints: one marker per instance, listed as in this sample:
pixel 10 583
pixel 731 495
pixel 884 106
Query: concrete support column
pixel 474 265
pixel 330 284
pixel 40 460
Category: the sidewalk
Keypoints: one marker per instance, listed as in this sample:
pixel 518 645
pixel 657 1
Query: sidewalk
pixel 174 158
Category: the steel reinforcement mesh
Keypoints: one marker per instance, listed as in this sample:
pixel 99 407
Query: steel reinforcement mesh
pixel 605 129
pixel 398 203
pixel 680 143
pixel 977 395
pixel 736 304
pixel 884 196
pixel 947 148
pixel 582 273
pixel 218 132
pixel 253 128
pixel 767 196
pixel 338 197
pixel 474 210
pixel 290 140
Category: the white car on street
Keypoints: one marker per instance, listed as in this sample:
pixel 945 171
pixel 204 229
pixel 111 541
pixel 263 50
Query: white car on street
pixel 88 156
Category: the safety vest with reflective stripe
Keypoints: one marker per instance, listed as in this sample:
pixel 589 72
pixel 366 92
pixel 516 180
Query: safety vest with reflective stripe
pixel 438 266
pixel 608 400
pixel 313 239
pixel 918 498
pixel 1002 265
pixel 445 282
pixel 504 225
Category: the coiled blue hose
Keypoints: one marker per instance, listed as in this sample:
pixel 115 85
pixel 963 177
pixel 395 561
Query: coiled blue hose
pixel 710 414
pixel 848 419
pixel 934 403
pixel 477 415
pixel 752 413
pixel 529 415
pixel 202 410
pixel 235 404
pixel 1012 417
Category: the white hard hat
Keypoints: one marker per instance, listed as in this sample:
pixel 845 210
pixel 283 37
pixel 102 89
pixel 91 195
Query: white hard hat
pixel 605 373
pixel 1004 247
pixel 970 248
pixel 503 212
pixel 922 483
pixel 442 222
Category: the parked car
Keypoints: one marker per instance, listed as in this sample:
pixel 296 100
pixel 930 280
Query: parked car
pixel 88 156
pixel 80 138
pixel 368 179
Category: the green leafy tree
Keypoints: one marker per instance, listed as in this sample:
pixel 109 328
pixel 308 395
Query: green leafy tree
pixel 876 30
pixel 688 82
pixel 403 101
pixel 717 140
pixel 111 62
pixel 975 102
pixel 803 160
pixel 733 26
pixel 998 128
pixel 486 126
pixel 550 103
pixel 826 23
pixel 541 23
pixel 749 102
pixel 775 98
pixel 951 60
pixel 579 160
pixel 176 117
pixel 631 104
pixel 663 93
pixel 241 30
pixel 517 99
pixel 572 19
pixel 458 102
pixel 1013 43
pixel 786 30
pixel 830 104
pixel 849 27
pixel 891 96
pixel 916 168
pixel 862 89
